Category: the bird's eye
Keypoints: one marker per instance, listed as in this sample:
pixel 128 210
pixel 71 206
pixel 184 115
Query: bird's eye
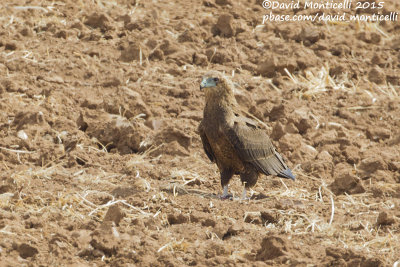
pixel 216 80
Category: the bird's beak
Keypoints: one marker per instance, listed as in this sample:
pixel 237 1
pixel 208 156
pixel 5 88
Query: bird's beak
pixel 203 84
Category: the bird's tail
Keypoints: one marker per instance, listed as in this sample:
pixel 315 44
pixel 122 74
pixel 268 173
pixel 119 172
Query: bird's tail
pixel 287 174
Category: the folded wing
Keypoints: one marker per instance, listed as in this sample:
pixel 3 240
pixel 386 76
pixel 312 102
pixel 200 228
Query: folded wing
pixel 254 146
pixel 206 144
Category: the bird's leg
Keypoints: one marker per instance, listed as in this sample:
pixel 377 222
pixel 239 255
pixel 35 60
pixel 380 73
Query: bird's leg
pixel 244 194
pixel 226 175
pixel 249 179
pixel 225 194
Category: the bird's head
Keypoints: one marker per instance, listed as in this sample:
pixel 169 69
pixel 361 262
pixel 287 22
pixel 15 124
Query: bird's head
pixel 209 82
pixel 216 85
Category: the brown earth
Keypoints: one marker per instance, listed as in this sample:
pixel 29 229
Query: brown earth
pixel 101 165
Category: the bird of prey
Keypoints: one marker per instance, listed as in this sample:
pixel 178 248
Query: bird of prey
pixel 236 143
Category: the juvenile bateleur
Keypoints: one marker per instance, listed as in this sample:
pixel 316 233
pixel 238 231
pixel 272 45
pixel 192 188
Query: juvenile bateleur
pixel 236 143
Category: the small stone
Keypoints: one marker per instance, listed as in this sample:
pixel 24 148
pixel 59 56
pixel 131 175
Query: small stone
pixel 133 51
pixel 26 250
pixel 152 43
pixel 370 37
pixel 253 217
pixel 376 134
pixel 303 125
pixel 219 229
pixel 308 151
pixel 155 124
pixel 224 26
pixel 291 128
pixel 82 238
pixel 169 47
pixel 324 156
pixel 198 216
pixel 114 214
pixel 187 36
pixel 92 103
pixel 218 56
pixel 61 34
pixel 141 184
pixel 272 247
pixel 234 229
pixel 22 135
pixel 372 164
pixel 33 222
pixel 396 44
pixel 27 32
pixel 375 38
pixel 96 20
pixel 208 222
pixel 309 35
pixel 347 183
pixel 337 70
pixel 124 192
pixel 326 137
pixel 223 2
pixel 277 131
pixel 383 176
pixel 268 217
pixel 271 64
pixel 77 24
pixel 157 54
pixel 105 239
pixel 11 46
pixel 54 79
pixel 200 59
pixel 377 60
pixel 394 166
pixel 395 140
pixel 352 154
pixel 177 218
pixel 290 142
pixel 385 218
pixel 377 75
pixel 112 82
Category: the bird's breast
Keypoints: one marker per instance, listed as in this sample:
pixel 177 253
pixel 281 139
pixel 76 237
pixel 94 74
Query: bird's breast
pixel 223 149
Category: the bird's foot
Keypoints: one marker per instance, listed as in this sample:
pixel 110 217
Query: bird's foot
pixel 225 195
pixel 244 195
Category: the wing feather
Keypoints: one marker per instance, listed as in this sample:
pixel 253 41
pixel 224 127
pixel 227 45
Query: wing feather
pixel 254 146
pixel 206 144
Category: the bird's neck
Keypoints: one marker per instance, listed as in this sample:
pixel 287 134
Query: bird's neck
pixel 215 99
pixel 219 106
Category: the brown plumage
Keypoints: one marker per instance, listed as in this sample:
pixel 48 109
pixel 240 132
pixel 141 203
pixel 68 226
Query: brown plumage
pixel 236 143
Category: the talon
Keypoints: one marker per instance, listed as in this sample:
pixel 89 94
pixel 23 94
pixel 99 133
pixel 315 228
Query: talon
pixel 225 197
